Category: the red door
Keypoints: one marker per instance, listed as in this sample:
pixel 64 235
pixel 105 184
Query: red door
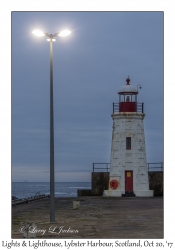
pixel 129 181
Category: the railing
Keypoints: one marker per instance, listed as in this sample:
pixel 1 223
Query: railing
pixel 138 107
pixel 16 201
pixel 155 168
pixel 106 167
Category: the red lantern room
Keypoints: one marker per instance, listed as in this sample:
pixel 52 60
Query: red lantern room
pixel 128 98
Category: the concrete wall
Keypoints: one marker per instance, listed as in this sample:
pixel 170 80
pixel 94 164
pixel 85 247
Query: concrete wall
pixel 100 181
pixel 84 192
pixel 156 182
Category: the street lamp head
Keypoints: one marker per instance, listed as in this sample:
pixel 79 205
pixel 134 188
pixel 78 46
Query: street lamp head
pixel 51 36
pixel 64 33
pixel 38 33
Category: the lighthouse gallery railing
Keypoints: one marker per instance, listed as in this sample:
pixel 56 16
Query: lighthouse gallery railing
pixel 138 106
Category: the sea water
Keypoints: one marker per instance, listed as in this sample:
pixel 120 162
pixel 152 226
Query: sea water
pixel 62 189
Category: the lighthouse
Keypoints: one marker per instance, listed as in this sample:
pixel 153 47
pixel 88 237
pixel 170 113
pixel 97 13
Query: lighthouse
pixel 128 166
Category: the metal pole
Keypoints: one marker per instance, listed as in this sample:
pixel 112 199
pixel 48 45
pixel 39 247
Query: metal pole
pixel 52 184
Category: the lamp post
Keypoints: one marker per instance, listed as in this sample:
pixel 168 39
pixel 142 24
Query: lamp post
pixel 51 38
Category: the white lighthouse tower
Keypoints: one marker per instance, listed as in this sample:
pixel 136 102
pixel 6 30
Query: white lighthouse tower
pixel 128 165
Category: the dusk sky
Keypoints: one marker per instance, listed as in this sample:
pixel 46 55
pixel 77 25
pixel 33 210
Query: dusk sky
pixel 89 66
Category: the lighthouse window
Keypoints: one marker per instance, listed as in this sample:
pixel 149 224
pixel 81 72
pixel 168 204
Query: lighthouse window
pixel 128 142
pixel 128 99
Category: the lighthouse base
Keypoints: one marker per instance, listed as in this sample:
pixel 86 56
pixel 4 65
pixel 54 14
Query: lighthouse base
pixel 119 193
pixel 113 193
pixel 144 193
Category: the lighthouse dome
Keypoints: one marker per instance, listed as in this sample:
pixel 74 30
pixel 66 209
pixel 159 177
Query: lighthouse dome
pixel 127 88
